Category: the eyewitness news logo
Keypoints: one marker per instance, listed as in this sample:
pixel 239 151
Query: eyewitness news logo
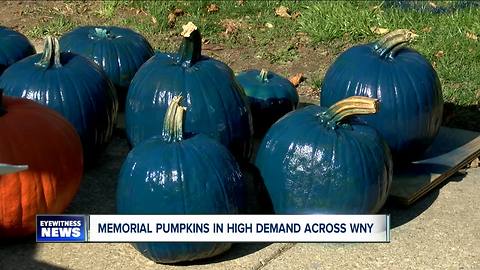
pixel 61 228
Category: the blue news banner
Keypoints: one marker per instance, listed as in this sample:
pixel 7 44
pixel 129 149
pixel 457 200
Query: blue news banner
pixel 213 228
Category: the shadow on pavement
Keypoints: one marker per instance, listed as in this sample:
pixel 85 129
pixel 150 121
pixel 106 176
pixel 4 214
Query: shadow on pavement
pixel 401 214
pixel 20 254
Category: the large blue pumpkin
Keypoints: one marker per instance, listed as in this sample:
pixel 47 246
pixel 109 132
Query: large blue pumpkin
pixel 216 103
pixel 405 83
pixel 13 47
pixel 321 161
pixel 119 51
pixel 72 85
pixel 270 96
pixel 180 173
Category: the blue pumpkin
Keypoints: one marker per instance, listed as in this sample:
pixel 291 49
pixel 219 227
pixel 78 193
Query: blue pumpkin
pixel 216 103
pixel 13 47
pixel 319 160
pixel 119 51
pixel 180 173
pixel 405 83
pixel 72 85
pixel 270 95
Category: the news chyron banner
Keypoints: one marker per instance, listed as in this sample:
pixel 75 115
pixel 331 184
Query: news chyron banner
pixel 213 228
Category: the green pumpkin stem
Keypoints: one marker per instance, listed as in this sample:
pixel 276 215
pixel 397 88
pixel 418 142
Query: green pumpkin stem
pixel 3 111
pixel 190 50
pixel 391 43
pixel 103 33
pixel 355 105
pixel 173 122
pixel 263 76
pixel 51 54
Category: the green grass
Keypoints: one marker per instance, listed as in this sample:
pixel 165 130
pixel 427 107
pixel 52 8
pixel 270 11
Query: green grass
pixel 328 24
pixel 250 19
pixel 55 27
pixel 458 68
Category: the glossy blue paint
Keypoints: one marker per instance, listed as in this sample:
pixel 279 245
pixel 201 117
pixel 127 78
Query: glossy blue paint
pixel 72 85
pixel 311 166
pixel 407 86
pixel 196 175
pixel 270 96
pixel 119 51
pixel 216 103
pixel 13 47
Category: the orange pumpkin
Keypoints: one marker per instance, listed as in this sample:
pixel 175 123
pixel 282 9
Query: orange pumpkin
pixel 36 136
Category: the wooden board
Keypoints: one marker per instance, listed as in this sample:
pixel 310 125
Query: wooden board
pixel 451 150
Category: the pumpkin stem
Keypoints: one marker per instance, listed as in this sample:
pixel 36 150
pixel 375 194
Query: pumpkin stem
pixel 101 33
pixel 51 54
pixel 391 43
pixel 173 122
pixel 190 50
pixel 263 76
pixel 3 111
pixel 351 106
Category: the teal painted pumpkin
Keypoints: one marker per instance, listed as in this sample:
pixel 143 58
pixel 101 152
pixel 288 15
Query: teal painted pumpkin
pixel 180 173
pixel 13 47
pixel 319 160
pixel 405 83
pixel 216 103
pixel 119 51
pixel 270 96
pixel 73 86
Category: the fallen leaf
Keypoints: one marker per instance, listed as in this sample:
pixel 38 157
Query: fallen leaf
pixel 240 2
pixel 379 31
pixel 440 54
pixel 212 8
pixel 472 36
pixel 171 19
pixel 230 26
pixel 296 79
pixel 432 4
pixel 282 11
pixel 138 11
pixel 296 14
pixel 154 20
pixel 178 12
pixel 269 25
pixel 475 163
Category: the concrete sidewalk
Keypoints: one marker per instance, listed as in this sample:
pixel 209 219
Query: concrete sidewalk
pixel 441 231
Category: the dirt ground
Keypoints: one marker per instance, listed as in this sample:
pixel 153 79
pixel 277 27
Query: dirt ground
pixel 24 16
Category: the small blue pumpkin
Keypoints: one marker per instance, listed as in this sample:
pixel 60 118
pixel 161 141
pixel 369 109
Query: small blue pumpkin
pixel 270 95
pixel 216 103
pixel 72 85
pixel 180 173
pixel 119 51
pixel 319 160
pixel 13 47
pixel 405 83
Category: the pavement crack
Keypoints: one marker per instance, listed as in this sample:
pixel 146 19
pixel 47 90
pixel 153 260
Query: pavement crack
pixel 262 263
